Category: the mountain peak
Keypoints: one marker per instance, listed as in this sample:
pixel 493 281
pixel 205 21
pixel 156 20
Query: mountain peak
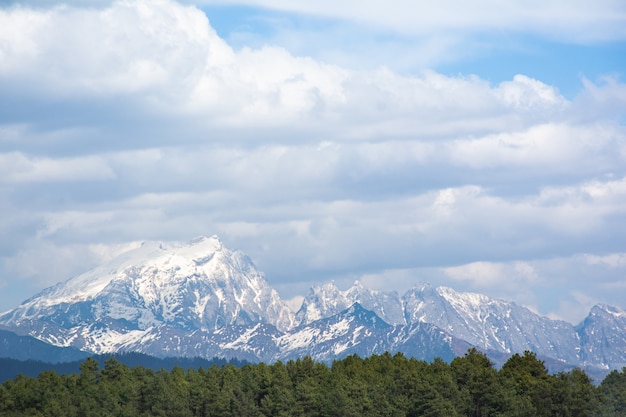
pixel 355 308
pixel 326 300
pixel 197 285
pixel 357 284
pixel 603 337
pixel 179 259
pixel 607 309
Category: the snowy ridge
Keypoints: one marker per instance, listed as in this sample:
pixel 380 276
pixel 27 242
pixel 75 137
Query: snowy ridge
pixel 202 299
pixel 354 330
pixel 491 324
pixel 326 300
pixel 483 322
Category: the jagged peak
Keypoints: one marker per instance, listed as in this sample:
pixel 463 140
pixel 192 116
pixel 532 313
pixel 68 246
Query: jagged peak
pixel 327 287
pixel 357 284
pixel 608 309
pixel 425 289
pixel 357 310
pixel 355 307
pixel 470 298
pixel 357 289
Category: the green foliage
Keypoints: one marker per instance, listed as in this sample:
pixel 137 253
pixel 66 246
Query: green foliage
pixel 476 380
pixel 381 385
pixel 612 395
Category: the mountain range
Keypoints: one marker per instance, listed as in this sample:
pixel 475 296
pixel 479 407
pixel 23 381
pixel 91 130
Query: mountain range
pixel 201 299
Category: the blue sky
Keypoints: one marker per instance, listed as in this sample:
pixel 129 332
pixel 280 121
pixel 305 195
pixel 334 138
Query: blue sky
pixel 467 144
pixel 495 57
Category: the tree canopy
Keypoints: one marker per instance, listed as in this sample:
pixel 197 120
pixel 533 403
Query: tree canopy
pixel 380 385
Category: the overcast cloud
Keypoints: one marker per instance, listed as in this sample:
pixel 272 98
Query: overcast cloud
pixel 135 120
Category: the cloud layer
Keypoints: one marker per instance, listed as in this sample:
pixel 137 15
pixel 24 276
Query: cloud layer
pixel 134 120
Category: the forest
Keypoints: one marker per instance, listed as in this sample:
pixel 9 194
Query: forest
pixel 380 385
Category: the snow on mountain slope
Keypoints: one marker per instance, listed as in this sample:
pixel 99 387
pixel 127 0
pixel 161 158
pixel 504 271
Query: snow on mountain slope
pixel 603 337
pixel 491 324
pixel 362 332
pixel 483 322
pixel 354 330
pixel 202 299
pixel 200 285
pixel 327 300
pixel 427 342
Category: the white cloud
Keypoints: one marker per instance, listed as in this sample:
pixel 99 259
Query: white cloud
pixel 16 167
pixel 613 260
pixel 406 36
pixel 550 145
pixel 167 57
pixel 154 51
pixel 150 126
pixel 485 274
pixel 579 20
pixel 525 93
pixel 43 264
pixel 295 303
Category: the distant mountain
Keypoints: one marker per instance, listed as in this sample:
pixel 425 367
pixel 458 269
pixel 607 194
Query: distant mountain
pixel 201 299
pixel 327 300
pixel 28 348
pixel 351 331
pixel 603 337
pixel 10 368
pixel 427 342
pixel 491 324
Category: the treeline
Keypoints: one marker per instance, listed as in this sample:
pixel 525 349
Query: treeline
pixel 381 385
pixel 9 368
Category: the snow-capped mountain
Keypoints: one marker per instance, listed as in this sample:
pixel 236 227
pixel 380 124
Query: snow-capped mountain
pixel 327 300
pixel 149 291
pixel 603 337
pixel 357 330
pixel 427 342
pixel 354 330
pixel 483 322
pixel 489 323
pixel 201 299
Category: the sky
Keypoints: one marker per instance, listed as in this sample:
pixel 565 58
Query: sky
pixel 477 145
